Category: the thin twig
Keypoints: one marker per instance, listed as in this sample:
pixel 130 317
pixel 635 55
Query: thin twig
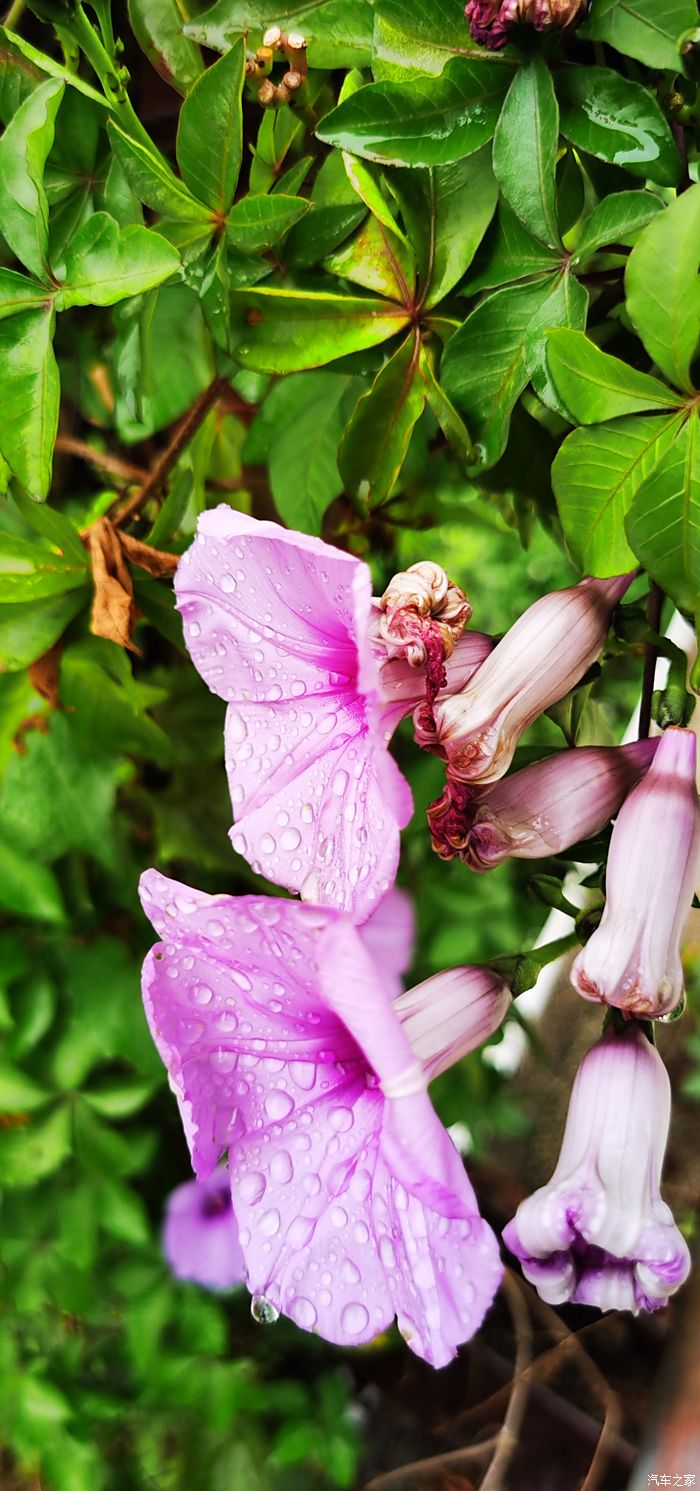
pixel 507 1441
pixel 185 431
pixel 100 458
pixel 393 1480
pixel 651 654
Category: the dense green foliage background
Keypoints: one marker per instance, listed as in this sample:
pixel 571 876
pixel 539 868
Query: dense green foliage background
pixel 439 303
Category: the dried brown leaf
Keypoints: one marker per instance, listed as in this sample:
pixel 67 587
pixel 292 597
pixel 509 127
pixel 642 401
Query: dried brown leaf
pixel 113 610
pixel 156 561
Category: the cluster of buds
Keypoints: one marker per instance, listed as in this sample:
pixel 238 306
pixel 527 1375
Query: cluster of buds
pixel 293 47
pixel 492 22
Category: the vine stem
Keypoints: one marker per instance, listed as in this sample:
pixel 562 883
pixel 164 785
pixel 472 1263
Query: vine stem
pixel 656 597
pixel 185 431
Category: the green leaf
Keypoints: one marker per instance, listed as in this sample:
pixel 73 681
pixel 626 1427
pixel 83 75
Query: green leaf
pixel 29 628
pixel 663 287
pixel 452 426
pixel 297 431
pixel 26 887
pixel 664 520
pixel 646 29
pixel 60 795
pixel 283 331
pixel 153 181
pixel 105 263
pixel 50 66
pixel 507 254
pixel 98 689
pixel 525 150
pixel 153 387
pixel 618 121
pixel 120 1098
pixel 333 214
pixel 422 122
pixel 52 525
pixel 338 32
pixel 483 370
pixel 595 386
pixel 447 211
pixel 30 384
pixel 614 219
pixel 420 36
pixel 210 132
pixel 28 1155
pixel 30 571
pixel 378 260
pixel 257 222
pixel 159 30
pixel 566 306
pixel 24 216
pixel 595 477
pixel 19 1092
pixel 375 443
pixel 17 293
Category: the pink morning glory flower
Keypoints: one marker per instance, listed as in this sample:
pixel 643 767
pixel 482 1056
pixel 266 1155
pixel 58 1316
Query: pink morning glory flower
pixel 545 653
pixel 541 810
pixel 284 1046
pixel 200 1233
pixel 284 628
pixel 633 959
pixel 598 1233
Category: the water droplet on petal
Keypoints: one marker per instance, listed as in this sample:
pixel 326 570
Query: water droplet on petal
pixel 270 1223
pixel 268 844
pixel 281 1167
pixel 349 1271
pixel 300 1232
pixel 252 1187
pixel 340 782
pixel 354 1319
pixel 203 994
pixel 303 1313
pixel 262 1311
pixel 239 843
pixel 307 813
pixel 326 724
pixel 303 1073
pixel 341 1119
pixel 241 979
pixel 236 724
pixel 228 584
pixel 278 1104
pixel 291 839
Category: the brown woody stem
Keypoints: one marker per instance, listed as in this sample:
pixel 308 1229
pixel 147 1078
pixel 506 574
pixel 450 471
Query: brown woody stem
pixel 185 431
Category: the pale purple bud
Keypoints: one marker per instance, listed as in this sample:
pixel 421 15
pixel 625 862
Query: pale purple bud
pixel 539 660
pixel 633 958
pixel 538 811
pixel 599 1233
pixel 200 1233
pixel 452 1013
pixel 492 21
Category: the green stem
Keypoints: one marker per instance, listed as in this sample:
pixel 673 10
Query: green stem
pixel 14 15
pixel 112 78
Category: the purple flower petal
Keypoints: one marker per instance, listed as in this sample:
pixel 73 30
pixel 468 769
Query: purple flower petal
pixel 200 1233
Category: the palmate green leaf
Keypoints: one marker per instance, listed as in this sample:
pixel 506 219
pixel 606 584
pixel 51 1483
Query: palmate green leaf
pixel 153 181
pixel 595 477
pixel 663 523
pixel 483 370
pixel 284 331
pixel 618 121
pixel 105 703
pixel 566 306
pixel 614 219
pixel 595 386
pixel 646 29
pixel 24 147
pixel 29 628
pixel 447 211
pixel 17 293
pixel 297 432
pixel 158 26
pixel 210 132
pixel 422 122
pixel 28 1155
pixel 19 1092
pixel 105 263
pixel 30 391
pixel 52 525
pixel 60 795
pixel 413 37
pixel 30 571
pixel 378 260
pixel 375 443
pixel 508 253
pixel 662 287
pixel 525 150
pixel 335 210
pixel 27 888
pixel 452 426
pixel 257 222
pixel 338 32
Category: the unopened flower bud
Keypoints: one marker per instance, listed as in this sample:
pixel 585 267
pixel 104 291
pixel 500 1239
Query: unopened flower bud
pixel 452 1013
pixel 541 810
pixel 423 616
pixel 539 660
pixel 633 958
pixel 272 36
pixel 598 1233
pixel 493 21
